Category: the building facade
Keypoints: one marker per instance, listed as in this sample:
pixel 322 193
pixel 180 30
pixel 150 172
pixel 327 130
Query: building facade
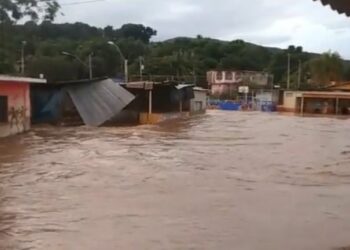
pixel 15 108
pixel 224 84
pixel 316 102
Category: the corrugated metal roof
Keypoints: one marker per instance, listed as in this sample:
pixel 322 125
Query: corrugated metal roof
pixel 200 89
pixel 342 6
pixel 98 102
pixel 182 86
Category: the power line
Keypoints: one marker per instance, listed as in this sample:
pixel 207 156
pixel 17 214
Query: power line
pixel 81 2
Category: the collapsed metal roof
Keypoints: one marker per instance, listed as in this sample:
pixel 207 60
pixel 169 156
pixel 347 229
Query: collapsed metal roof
pixel 182 86
pixel 99 101
pixel 342 6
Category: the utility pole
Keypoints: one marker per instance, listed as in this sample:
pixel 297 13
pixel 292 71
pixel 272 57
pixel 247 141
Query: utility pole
pixel 272 81
pixel 90 66
pixel 299 75
pixel 126 71
pixel 288 73
pixel 24 43
pixel 194 68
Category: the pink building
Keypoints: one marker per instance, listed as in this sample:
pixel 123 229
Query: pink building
pixel 15 110
pixel 226 83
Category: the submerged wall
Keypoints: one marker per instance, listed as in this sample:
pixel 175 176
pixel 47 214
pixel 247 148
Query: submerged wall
pixel 155 118
pixel 18 108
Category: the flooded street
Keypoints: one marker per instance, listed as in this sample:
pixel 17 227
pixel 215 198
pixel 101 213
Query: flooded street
pixel 246 181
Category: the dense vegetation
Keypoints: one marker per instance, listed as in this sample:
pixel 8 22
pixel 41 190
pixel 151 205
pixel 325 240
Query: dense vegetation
pixel 45 42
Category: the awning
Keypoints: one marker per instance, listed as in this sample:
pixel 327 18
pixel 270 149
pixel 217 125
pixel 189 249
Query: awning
pixel 327 95
pixel 98 102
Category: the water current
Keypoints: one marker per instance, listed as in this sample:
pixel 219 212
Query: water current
pixel 246 181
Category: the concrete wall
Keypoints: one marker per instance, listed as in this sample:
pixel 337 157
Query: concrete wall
pixel 290 101
pixel 18 108
pixel 199 102
pixel 267 96
pixel 264 97
pixel 220 90
pixel 232 77
pixel 227 84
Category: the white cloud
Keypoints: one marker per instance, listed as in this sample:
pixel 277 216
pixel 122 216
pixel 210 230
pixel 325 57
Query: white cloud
pixel 267 22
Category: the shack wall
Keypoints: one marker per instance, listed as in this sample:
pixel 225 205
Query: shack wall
pixel 199 102
pixel 18 108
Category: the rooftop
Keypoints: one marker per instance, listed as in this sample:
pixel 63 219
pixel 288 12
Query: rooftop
pixel 7 78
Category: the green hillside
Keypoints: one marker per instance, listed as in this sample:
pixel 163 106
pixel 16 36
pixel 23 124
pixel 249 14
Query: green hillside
pixel 178 56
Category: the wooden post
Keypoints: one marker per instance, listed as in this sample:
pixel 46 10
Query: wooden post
pixel 302 106
pixel 337 106
pixel 180 106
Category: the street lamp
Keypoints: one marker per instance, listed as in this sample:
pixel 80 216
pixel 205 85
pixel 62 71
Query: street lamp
pixel 142 67
pixel 79 60
pixel 126 73
pixel 24 43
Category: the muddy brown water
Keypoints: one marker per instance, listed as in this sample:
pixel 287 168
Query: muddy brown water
pixel 225 180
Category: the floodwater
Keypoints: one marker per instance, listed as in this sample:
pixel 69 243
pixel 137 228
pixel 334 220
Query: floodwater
pixel 246 181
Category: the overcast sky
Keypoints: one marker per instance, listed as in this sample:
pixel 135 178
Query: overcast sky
pixel 277 23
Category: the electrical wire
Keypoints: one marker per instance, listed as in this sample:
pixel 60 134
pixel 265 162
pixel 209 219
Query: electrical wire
pixel 80 2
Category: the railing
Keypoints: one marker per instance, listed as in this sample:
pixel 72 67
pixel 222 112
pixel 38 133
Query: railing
pixel 160 78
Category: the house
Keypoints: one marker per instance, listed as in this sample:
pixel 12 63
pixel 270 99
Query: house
pixel 89 102
pixel 316 102
pixel 15 107
pixel 224 84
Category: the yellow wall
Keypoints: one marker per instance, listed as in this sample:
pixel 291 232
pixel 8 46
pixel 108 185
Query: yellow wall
pixel 155 118
pixel 290 100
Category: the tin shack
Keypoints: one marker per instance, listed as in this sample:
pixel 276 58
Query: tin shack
pixel 156 102
pixel 74 103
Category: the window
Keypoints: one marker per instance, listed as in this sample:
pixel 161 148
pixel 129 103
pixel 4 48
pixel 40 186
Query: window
pixel 238 76
pixel 3 109
pixel 228 75
pixel 219 76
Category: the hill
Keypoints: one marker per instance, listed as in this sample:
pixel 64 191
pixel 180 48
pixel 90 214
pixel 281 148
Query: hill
pixel 178 56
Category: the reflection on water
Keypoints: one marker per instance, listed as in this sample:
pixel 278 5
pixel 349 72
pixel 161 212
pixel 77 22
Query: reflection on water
pixel 220 181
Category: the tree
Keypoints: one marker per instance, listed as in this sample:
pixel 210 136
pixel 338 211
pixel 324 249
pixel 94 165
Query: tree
pixel 108 32
pixel 326 68
pixel 34 9
pixel 55 68
pixel 136 31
